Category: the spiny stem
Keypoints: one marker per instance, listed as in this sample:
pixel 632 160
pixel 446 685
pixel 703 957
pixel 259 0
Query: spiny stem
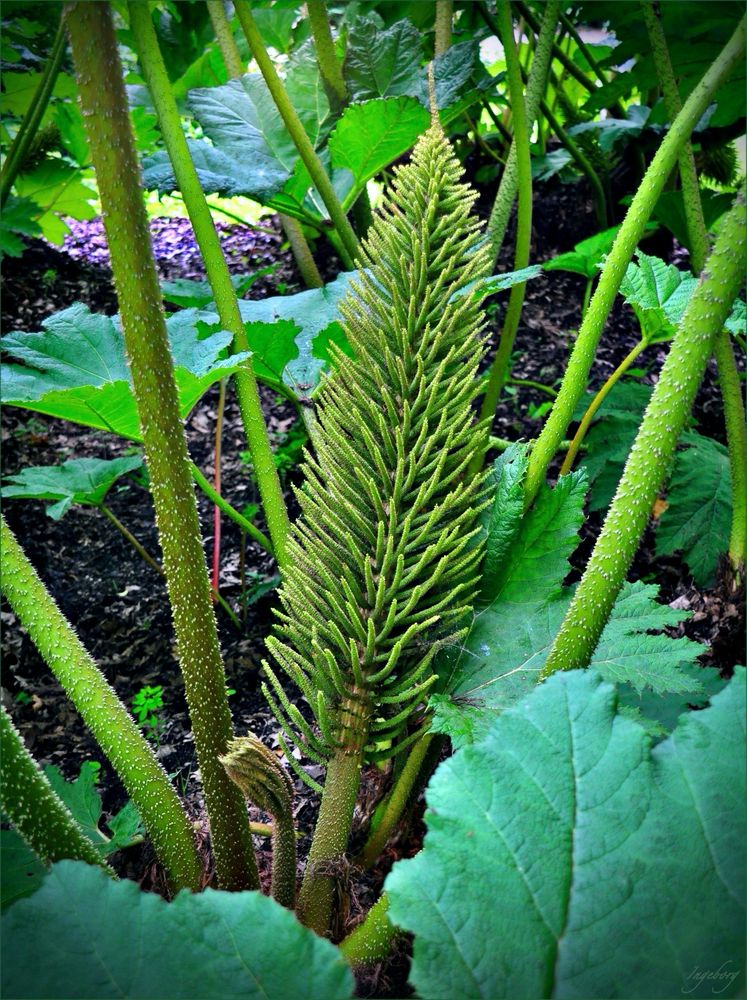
pixel 371 941
pixel 631 231
pixel 207 488
pixel 504 199
pixel 531 384
pixel 731 391
pixel 297 132
pixel 224 36
pixel 35 809
pixel 153 68
pixel 500 366
pixel 649 460
pixel 596 402
pixel 444 17
pixel 106 117
pixel 326 862
pixel 301 252
pixel 103 713
pixel 218 454
pixel 326 57
pixel 30 124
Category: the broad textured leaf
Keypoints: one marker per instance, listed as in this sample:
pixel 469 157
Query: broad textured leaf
pixel 523 603
pixel 22 870
pixel 658 293
pixel 259 176
pixel 545 167
pixel 370 136
pixel 76 368
pixel 660 712
pixel 626 652
pixel 586 256
pixel 101 939
pixel 58 189
pixel 737 321
pixel 382 62
pixel 79 480
pixel 84 802
pixel 276 27
pixel 612 130
pixel 697 520
pixel 596 866
pixel 316 314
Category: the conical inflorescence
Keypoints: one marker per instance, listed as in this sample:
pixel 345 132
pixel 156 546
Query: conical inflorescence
pixel 383 561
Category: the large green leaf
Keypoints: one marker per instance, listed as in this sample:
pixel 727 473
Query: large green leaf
pixel 670 211
pixel 18 218
pixel 658 293
pixel 316 314
pixel 382 62
pixel 190 294
pixel 79 480
pixel 58 190
pixel 697 520
pixel 565 858
pixel 75 368
pixel 82 935
pixel 370 136
pixel 84 802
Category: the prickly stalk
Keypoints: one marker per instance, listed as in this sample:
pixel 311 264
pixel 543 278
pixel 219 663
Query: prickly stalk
pixel 34 808
pixel 112 726
pixel 651 456
pixel 105 113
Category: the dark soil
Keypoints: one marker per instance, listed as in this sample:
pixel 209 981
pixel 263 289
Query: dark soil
pixel 118 604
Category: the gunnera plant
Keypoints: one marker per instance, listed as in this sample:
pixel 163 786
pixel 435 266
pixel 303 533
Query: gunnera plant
pixel 383 561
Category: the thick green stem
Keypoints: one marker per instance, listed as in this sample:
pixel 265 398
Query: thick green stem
pixel 153 68
pixel 396 802
pixel 444 17
pixel 105 113
pixel 371 941
pixel 631 231
pixel 103 713
pixel 326 57
pixel 736 439
pixel 499 369
pixel 504 199
pixel 35 809
pixel 222 504
pixel 649 461
pixel 326 861
pixel 30 124
pixel 298 134
pixel 301 251
pixel 596 402
pixel 224 36
pixel 563 57
pixel 731 392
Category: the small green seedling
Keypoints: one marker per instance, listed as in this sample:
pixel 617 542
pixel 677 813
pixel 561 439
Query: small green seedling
pixel 147 705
